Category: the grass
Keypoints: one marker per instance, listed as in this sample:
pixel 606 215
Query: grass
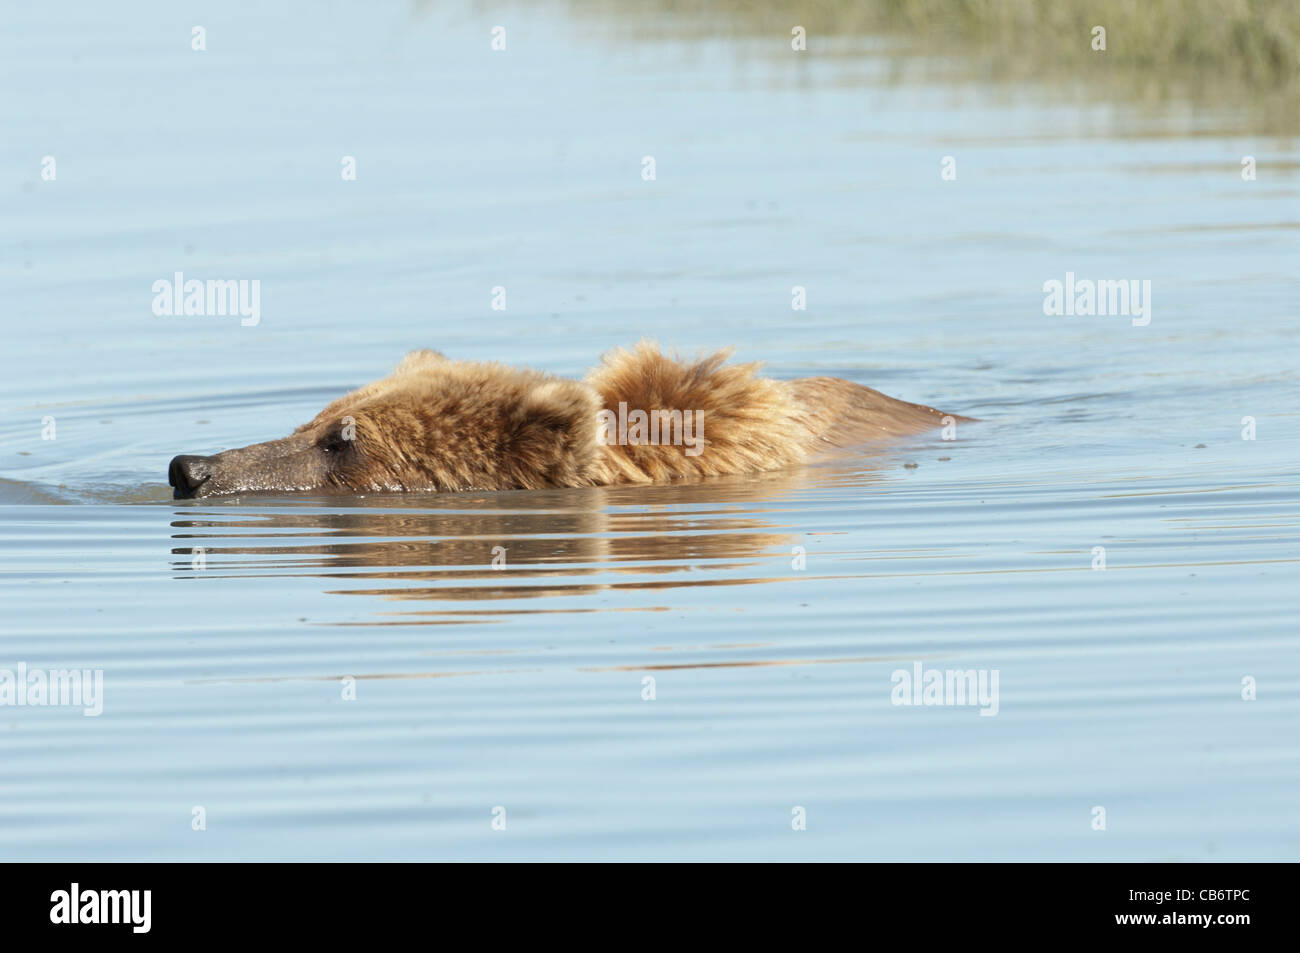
pixel 1226 54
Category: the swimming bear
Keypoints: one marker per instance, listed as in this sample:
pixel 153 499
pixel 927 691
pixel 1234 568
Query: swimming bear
pixel 641 416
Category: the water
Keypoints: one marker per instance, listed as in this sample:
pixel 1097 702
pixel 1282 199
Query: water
pixel 521 687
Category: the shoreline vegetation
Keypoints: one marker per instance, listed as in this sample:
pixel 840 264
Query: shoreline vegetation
pixel 1223 54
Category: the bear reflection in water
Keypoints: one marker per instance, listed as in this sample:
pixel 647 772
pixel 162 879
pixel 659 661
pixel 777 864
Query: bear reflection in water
pixel 505 546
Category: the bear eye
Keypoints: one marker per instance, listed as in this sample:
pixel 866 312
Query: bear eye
pixel 334 443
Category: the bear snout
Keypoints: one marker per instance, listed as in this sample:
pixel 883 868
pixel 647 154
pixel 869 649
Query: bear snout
pixel 187 474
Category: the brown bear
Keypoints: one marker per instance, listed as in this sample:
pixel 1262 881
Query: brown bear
pixel 640 417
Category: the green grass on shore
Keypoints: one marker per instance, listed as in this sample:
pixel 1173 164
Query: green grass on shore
pixel 1235 54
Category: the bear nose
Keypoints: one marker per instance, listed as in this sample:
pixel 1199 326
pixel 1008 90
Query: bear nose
pixel 187 474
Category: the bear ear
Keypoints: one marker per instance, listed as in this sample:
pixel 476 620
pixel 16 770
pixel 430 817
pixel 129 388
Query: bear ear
pixel 553 433
pixel 419 360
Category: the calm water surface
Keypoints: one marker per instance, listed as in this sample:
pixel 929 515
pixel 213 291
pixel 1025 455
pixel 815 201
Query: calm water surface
pixel 770 611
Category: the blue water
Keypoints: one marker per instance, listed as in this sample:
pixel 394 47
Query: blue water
pixel 771 611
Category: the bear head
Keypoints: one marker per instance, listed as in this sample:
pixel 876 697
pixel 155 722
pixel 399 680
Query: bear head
pixel 434 424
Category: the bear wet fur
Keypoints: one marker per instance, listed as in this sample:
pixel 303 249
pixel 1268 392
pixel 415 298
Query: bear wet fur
pixel 441 425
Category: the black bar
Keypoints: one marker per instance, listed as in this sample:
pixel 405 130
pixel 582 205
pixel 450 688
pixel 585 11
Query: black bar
pixel 331 902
